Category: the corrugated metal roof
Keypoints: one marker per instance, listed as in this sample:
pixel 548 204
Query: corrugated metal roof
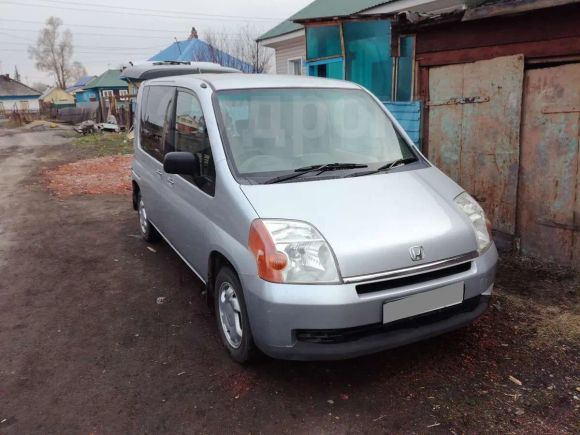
pixel 335 8
pixel 11 88
pixel 196 50
pixel 281 29
pixel 109 79
pixel 321 9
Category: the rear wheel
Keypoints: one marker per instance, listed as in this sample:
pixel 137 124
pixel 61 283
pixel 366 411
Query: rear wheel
pixel 232 316
pixel 148 231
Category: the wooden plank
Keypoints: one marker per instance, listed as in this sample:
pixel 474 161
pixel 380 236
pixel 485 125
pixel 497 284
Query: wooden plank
pixel 548 205
pixel 550 24
pixel 512 7
pixel 548 48
pixel 478 144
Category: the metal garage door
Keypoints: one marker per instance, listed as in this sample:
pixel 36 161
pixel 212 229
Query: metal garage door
pixel 549 206
pixel 474 131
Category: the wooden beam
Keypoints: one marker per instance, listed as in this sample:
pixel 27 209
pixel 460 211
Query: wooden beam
pixel 512 7
pixel 541 49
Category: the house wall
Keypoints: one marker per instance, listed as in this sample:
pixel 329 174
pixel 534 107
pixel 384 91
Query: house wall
pixel 86 98
pixel 8 103
pixel 286 50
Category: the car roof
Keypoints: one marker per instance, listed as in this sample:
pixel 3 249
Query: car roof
pixel 255 81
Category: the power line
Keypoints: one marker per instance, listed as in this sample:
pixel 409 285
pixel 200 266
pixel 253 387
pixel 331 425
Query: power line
pixel 172 32
pixel 89 47
pixel 167 38
pixel 109 6
pixel 84 9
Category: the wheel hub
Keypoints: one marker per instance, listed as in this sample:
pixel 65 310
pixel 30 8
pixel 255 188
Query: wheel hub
pixel 230 314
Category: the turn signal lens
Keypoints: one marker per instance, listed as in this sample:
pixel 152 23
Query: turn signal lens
pixel 291 252
pixel 269 261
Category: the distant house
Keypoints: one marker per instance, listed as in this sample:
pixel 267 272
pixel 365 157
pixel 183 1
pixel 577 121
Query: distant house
pixel 288 40
pixel 57 97
pixel 194 49
pixel 17 96
pixel 79 85
pixel 102 88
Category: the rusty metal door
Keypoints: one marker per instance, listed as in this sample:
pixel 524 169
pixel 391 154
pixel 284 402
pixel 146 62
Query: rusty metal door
pixel 549 207
pixel 474 131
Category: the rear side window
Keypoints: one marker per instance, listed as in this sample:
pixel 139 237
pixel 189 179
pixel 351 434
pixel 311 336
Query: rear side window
pixel 191 136
pixel 155 119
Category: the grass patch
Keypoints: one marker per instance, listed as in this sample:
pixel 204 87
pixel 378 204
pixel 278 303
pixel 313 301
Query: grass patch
pixel 560 327
pixel 105 144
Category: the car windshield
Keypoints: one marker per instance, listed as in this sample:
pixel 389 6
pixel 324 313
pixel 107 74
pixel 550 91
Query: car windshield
pixel 272 132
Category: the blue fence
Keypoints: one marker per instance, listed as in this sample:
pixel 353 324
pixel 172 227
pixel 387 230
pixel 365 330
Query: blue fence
pixel 409 116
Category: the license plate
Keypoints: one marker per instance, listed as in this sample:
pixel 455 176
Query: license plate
pixel 423 302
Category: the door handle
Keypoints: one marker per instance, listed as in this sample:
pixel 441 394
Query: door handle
pixel 171 181
pixel 159 172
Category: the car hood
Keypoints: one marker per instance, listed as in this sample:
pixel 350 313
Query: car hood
pixel 371 222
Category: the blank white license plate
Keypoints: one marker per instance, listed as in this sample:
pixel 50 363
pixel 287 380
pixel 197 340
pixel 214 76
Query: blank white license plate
pixel 423 302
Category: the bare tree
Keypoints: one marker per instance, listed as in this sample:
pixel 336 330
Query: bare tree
pixel 240 46
pixel 16 74
pixel 53 53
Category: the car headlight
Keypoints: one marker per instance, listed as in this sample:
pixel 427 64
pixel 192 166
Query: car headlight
pixel 481 225
pixel 291 252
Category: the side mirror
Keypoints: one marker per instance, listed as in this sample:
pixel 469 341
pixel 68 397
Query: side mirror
pixel 181 163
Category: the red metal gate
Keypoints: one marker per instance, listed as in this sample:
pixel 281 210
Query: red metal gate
pixel 548 206
pixel 474 125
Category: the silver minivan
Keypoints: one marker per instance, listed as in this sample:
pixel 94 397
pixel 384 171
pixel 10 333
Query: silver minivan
pixel 318 228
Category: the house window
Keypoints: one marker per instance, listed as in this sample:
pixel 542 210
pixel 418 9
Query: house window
pixel 123 92
pixel 295 66
pixel 107 93
pixel 323 42
pixel 368 58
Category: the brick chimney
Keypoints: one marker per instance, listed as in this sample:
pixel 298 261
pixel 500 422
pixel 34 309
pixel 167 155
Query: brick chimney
pixel 193 34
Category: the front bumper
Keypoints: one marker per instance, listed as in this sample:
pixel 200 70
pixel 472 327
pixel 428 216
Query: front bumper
pixel 321 322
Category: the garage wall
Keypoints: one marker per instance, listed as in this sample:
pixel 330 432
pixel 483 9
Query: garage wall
pixel 516 147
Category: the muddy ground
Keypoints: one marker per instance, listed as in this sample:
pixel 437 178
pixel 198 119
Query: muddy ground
pixel 86 349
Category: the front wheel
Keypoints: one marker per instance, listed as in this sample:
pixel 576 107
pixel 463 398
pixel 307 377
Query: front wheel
pixel 148 231
pixel 232 316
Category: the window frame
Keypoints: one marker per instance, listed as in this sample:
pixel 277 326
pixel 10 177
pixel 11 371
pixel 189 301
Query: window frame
pixel 192 182
pixel 165 126
pixel 291 63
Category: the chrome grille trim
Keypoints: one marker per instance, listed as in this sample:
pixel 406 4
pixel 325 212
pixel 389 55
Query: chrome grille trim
pixel 414 270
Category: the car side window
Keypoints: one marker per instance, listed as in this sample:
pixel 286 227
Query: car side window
pixel 155 115
pixel 191 136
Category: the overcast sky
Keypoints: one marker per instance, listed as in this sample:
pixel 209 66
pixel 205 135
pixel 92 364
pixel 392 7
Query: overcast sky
pixel 108 33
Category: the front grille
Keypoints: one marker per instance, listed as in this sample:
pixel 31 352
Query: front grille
pixel 413 279
pixel 336 336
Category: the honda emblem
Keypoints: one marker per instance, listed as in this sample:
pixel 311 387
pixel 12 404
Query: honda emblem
pixel 417 253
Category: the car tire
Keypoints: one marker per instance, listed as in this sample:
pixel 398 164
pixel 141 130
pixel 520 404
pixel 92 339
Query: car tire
pixel 232 316
pixel 148 231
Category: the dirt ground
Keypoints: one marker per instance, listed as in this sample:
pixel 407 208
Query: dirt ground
pixel 85 348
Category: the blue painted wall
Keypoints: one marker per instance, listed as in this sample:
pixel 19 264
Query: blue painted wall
pixel 83 98
pixel 408 113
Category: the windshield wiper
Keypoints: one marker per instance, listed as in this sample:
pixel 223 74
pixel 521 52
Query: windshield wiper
pixel 315 168
pixel 386 168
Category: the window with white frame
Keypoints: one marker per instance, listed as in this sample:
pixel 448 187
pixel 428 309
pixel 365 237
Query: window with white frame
pixel 295 66
pixel 107 93
pixel 123 92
